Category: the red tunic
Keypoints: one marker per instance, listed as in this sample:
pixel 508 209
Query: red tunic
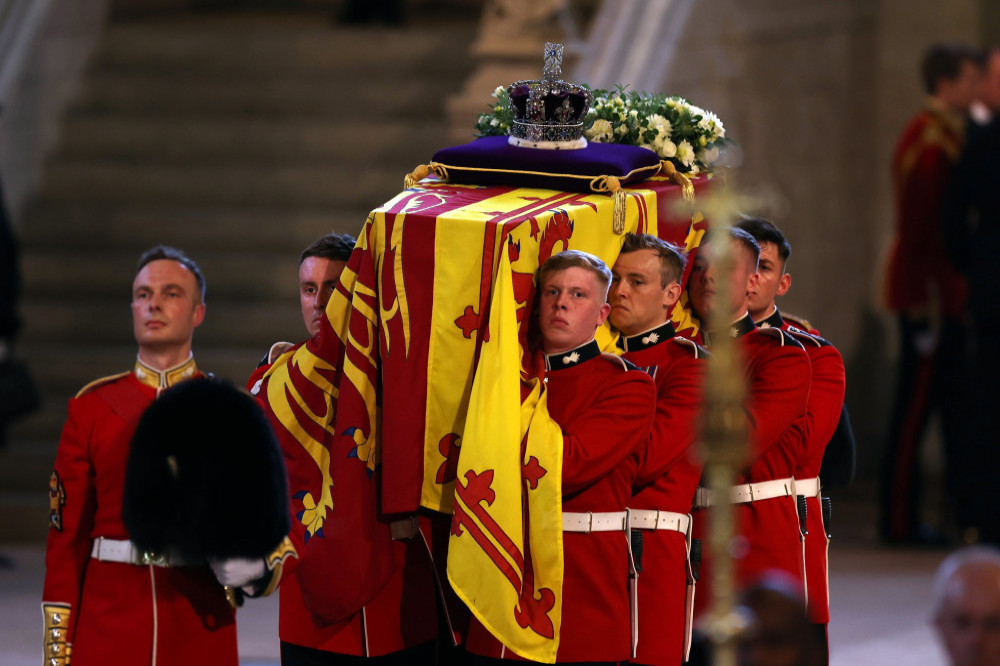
pixel 778 373
pixel 402 615
pixel 123 613
pixel 918 266
pixel 667 478
pixel 605 414
pixel 826 399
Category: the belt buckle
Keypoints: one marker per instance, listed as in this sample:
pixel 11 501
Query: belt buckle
pixel 750 486
pixel 154 559
pixel 590 526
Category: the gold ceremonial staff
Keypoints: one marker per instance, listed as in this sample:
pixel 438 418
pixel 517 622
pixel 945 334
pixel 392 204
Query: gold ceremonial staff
pixel 723 434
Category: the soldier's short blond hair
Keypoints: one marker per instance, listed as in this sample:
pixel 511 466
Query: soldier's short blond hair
pixel 576 259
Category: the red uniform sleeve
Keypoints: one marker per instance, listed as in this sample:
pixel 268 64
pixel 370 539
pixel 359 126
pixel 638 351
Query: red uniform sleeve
pixel 778 394
pixel 678 403
pixel 72 502
pixel 600 437
pixel 826 395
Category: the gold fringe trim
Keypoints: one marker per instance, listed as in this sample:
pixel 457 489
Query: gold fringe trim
pixel 668 169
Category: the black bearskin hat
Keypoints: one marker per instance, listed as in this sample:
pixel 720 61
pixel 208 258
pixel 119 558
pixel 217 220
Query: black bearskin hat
pixel 205 475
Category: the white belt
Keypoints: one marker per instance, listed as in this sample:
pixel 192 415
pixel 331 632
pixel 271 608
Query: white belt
pixel 124 551
pixel 651 519
pixel 808 487
pixel 614 521
pixel 747 492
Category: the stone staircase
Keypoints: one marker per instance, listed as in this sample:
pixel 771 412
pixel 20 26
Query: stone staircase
pixel 239 138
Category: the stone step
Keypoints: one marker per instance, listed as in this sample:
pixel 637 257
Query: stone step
pixel 69 275
pixel 342 99
pixel 282 184
pixel 26 516
pixel 358 141
pixel 107 320
pixel 276 43
pixel 283 231
pixel 37 434
pixel 25 465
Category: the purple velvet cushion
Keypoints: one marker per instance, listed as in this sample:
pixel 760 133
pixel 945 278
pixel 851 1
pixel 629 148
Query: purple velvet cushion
pixel 492 161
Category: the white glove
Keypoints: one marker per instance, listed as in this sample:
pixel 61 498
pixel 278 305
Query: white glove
pixel 237 571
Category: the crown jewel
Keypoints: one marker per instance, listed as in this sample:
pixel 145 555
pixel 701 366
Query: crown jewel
pixel 549 109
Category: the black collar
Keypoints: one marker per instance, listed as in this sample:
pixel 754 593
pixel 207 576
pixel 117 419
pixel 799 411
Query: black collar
pixel 573 357
pixel 646 339
pixel 774 320
pixel 737 329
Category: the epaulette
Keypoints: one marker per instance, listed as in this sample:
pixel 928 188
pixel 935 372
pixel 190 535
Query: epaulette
pixel 798 322
pixel 101 382
pixel 807 338
pixel 615 359
pixel 696 350
pixel 784 338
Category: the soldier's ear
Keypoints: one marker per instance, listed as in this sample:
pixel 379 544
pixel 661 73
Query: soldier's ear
pixel 784 284
pixel 605 311
pixel 199 315
pixel 671 295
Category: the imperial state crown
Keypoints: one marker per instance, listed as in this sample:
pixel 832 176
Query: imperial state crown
pixel 550 110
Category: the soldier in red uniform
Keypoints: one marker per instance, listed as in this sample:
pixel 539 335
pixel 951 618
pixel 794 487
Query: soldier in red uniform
pixel 400 624
pixel 826 401
pixel 927 294
pixel 777 373
pixel 104 602
pixel 605 410
pixel 644 288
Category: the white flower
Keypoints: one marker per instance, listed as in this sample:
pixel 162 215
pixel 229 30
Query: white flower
pixel 494 122
pixel 711 124
pixel 661 125
pixel 648 147
pixel 499 89
pixel 668 149
pixel 621 130
pixel 601 131
pixel 685 153
pixel 633 113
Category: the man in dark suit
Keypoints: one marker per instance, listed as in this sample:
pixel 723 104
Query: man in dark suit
pixel 971 233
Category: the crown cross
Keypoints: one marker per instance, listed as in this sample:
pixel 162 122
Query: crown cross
pixel 553 55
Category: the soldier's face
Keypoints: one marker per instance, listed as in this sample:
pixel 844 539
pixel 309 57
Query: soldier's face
pixel 166 306
pixel 571 307
pixel 772 281
pixel 708 271
pixel 638 298
pixel 318 277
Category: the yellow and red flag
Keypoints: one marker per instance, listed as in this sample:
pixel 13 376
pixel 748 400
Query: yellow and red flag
pixel 436 298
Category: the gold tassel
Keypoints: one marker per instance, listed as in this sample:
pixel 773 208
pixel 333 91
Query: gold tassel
pixel 668 169
pixel 618 222
pixel 613 186
pixel 416 176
